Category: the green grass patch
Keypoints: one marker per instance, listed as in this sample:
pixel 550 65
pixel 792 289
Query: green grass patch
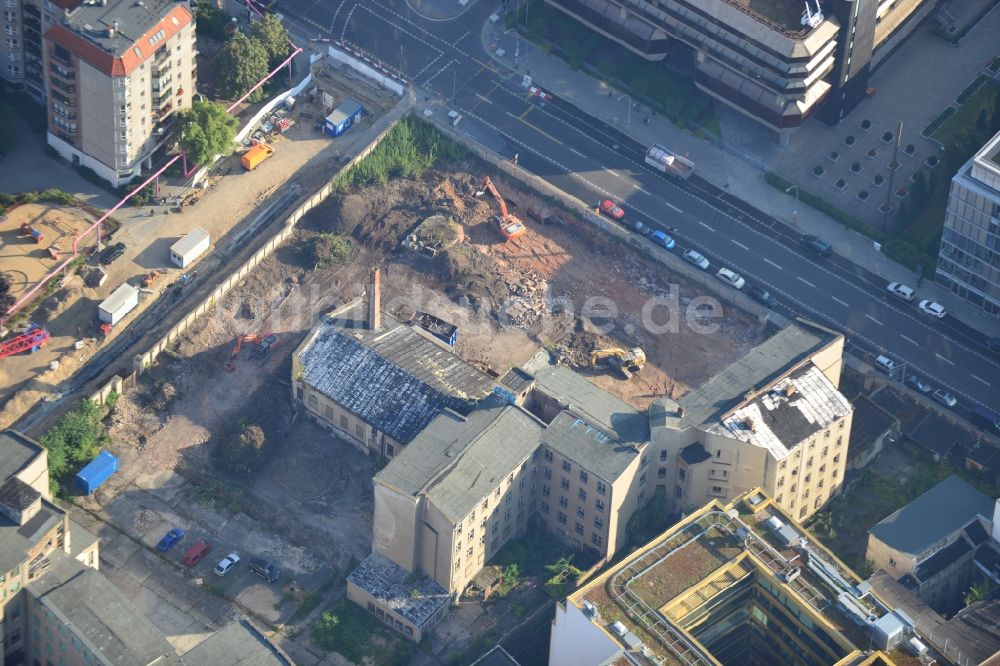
pixel 212 491
pixel 309 603
pixel 328 249
pixel 352 632
pixel 409 150
pixel 957 123
pixel 670 93
pixel 895 248
pixel 938 121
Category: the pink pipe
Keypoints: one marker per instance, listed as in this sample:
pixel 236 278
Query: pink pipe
pixel 297 51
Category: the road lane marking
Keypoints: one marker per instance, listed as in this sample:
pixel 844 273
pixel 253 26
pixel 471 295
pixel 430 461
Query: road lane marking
pixel 772 263
pixel 846 305
pixel 978 379
pixel 613 173
pixel 802 279
pixel 542 132
pixel 484 98
pixel 910 340
pixel 639 187
pixel 944 359
pixel 736 242
pixel 577 152
pixel 526 112
pixel 874 320
pixel 705 225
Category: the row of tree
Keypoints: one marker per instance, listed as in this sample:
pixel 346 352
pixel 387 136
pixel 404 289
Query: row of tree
pixel 246 58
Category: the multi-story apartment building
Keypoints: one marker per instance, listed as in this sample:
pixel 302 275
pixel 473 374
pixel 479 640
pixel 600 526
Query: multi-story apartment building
pixel 969 259
pixel 775 62
pixel 55 605
pixel 739 582
pixel 772 419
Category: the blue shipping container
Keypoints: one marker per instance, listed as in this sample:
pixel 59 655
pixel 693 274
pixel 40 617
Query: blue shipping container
pixel 96 472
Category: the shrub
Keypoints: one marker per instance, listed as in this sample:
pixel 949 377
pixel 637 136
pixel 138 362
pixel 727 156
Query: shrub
pixel 328 250
pixel 243 451
pixel 73 442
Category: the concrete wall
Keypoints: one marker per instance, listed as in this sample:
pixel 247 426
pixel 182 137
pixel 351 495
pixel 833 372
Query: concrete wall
pixel 395 524
pixel 575 640
pixel 362 63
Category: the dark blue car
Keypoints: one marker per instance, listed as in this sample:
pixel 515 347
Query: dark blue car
pixel 170 540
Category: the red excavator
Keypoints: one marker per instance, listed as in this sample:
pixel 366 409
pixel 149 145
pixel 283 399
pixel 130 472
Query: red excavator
pixel 248 338
pixel 510 225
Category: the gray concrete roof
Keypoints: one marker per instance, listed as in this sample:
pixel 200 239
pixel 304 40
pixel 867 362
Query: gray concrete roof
pixel 932 517
pixel 16 540
pixel 16 451
pixel 134 20
pixel 237 644
pixel 588 401
pixel 589 445
pixel 392 378
pixel 99 613
pixel 80 538
pixel 756 370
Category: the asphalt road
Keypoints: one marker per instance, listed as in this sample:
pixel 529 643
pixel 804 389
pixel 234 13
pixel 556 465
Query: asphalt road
pixel 592 160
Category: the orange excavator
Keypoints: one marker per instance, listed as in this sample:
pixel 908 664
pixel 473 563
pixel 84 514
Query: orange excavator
pixel 248 338
pixel 510 225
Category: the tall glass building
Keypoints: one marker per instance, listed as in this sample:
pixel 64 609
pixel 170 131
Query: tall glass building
pixel 969 260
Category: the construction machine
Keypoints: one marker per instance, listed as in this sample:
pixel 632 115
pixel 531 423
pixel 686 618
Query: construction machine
pixel 248 338
pixel 265 345
pixel 510 225
pixel 626 361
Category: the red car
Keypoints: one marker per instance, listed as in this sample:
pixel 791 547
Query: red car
pixel 196 553
pixel 612 210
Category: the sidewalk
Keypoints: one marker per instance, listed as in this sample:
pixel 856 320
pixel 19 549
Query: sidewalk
pixel 738 173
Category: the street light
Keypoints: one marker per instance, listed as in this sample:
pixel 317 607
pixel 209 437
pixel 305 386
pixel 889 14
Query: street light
pixel 795 210
pixel 628 119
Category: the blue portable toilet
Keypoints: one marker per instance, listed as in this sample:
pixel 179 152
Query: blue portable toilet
pixel 343 117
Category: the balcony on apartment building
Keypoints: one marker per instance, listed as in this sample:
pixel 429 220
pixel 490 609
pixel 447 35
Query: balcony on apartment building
pixel 10 4
pixel 63 73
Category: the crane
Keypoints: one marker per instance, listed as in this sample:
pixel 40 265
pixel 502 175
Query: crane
pixel 510 225
pixel 625 361
pixel 32 339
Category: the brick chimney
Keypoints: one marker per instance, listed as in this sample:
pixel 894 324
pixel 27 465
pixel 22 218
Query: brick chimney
pixel 375 299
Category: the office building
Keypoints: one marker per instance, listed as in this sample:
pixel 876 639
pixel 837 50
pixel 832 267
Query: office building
pixel 776 62
pixel 969 259
pixel 732 583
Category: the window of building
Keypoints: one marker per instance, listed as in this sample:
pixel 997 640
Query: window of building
pixel 469 552
pixel 545 490
pixel 578 528
pixel 563 502
pixel 564 483
pixel 496 493
pixel 599 504
pixel 582 494
pixel 802 512
pixel 681 473
pixel 548 455
pixel 566 466
pixel 359 430
pixel 547 473
pixel 601 488
pixel 508 497
pixel 642 495
pixel 458 547
pixel 836 458
pixel 779 498
pixel 486 503
pixel 836 473
pixel 544 507
pixel 389 450
pixel 561 517
pixel 663 456
pixel 718 453
pixel 579 512
pixel 598 523
pixel 596 539
pixel 840 440
pixel 506 513
pixel 510 479
pixel 312 401
pixel 458 563
pixel 661 473
pixel 825 450
pixel 584 477
pixel 642 479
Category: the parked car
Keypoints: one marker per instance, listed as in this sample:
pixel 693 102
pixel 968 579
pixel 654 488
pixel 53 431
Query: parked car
pixel 761 295
pixel 196 553
pixel 731 278
pixel 170 539
pixel 612 210
pixel 945 398
pixel 885 364
pixel 986 418
pixel 993 344
pixel 900 290
pixel 697 259
pixel 226 564
pixel 663 239
pixel 112 252
pixel 931 308
pixel 919 385
pixel 265 569
pixel 638 227
pixel 817 245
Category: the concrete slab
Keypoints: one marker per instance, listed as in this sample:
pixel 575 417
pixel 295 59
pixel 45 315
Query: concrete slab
pixel 118 550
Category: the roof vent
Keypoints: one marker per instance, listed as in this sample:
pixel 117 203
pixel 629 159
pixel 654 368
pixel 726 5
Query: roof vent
pixel 589 609
pixel 619 629
pixel 790 390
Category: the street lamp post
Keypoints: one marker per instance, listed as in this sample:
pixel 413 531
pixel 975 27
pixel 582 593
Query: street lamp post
pixel 795 210
pixel 628 118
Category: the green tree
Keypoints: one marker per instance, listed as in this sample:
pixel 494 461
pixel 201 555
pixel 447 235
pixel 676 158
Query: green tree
pixel 74 440
pixel 272 36
pixel 7 299
pixel 239 65
pixel 977 592
pixel 211 22
pixel 8 129
pixel 206 130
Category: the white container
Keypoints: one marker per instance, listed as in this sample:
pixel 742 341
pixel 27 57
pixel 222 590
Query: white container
pixel 122 300
pixel 186 250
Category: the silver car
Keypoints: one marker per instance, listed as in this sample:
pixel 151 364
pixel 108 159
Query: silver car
pixel 697 259
pixel 945 398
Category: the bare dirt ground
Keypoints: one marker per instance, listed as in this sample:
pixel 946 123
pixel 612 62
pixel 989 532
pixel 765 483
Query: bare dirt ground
pixel 27 262
pixel 304 158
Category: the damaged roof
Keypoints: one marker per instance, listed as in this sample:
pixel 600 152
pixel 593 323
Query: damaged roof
pixel 392 378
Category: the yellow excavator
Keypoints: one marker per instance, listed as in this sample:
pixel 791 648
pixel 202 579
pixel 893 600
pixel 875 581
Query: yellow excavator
pixel 626 361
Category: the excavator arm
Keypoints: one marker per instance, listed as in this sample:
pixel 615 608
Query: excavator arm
pixel 488 184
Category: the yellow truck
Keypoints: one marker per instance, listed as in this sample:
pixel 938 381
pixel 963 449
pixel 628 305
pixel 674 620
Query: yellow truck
pixel 253 157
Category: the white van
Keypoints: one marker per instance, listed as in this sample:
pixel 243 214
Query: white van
pixel 885 364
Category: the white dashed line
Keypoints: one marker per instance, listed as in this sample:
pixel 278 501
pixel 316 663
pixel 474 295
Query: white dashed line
pixel 944 359
pixel 844 303
pixel 978 379
pixel 613 173
pixel 639 187
pixel 910 340
pixel 736 242
pixel 705 225
pixel 772 263
pixel 874 320
pixel 576 152
pixel 485 99
pixel 805 281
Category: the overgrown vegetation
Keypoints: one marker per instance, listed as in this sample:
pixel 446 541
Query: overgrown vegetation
pixel 211 22
pixel 7 299
pixel 349 630
pixel 978 592
pixel 73 442
pixel 540 556
pixel 670 93
pixel 895 248
pixel 50 195
pixel 409 150
pixel 328 249
pixel 212 491
pixel 651 520
pixel 477 647
pixel 243 451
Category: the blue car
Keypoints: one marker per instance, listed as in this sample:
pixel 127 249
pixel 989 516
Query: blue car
pixel 170 540
pixel 664 240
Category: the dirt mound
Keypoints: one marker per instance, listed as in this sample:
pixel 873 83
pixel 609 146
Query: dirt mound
pixel 467 273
